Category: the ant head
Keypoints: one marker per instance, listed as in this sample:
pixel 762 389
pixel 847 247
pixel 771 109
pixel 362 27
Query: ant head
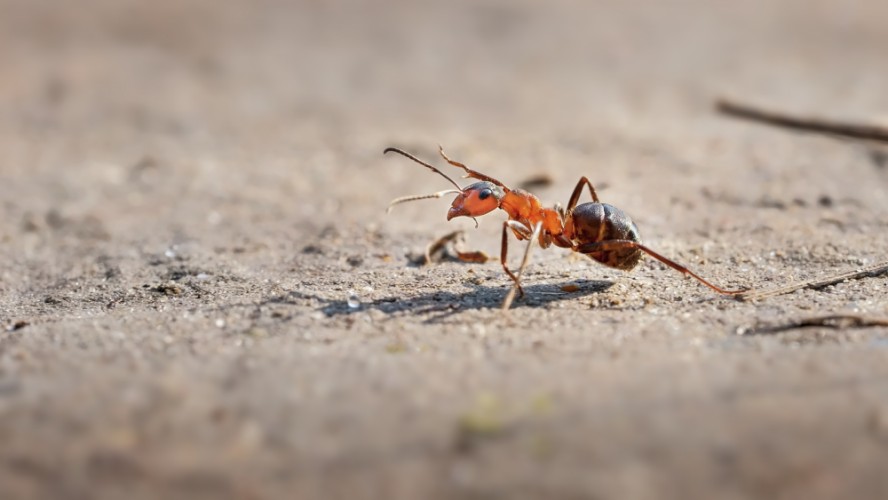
pixel 477 199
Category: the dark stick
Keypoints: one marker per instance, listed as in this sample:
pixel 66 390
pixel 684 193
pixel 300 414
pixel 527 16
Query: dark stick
pixel 837 321
pixel 865 272
pixel 807 124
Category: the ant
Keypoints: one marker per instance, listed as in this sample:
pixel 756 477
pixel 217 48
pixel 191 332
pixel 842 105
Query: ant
pixel 602 231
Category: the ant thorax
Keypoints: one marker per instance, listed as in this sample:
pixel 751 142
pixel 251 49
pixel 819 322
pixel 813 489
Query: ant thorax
pixel 521 205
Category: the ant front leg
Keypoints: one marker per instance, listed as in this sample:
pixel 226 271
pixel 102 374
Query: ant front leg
pixel 616 245
pixel 525 232
pixel 575 196
pixel 531 237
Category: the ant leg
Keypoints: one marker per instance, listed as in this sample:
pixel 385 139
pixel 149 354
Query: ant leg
pixel 504 248
pixel 610 245
pixel 575 196
pixel 507 302
pixel 561 213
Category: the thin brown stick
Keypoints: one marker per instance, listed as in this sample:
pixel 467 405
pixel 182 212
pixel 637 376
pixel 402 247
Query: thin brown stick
pixel 849 130
pixel 837 321
pixel 864 272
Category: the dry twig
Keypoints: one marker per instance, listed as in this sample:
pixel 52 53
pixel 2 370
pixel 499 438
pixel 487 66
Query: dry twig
pixel 848 130
pixel 837 321
pixel 449 247
pixel 864 272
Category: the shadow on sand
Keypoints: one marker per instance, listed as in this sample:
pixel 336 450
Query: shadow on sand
pixel 444 303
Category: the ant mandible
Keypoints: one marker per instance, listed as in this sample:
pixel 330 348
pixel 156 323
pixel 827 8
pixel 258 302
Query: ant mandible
pixel 602 231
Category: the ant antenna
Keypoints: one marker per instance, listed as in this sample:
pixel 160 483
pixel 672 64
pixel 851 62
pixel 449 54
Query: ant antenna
pixel 424 164
pixel 415 197
pixel 469 172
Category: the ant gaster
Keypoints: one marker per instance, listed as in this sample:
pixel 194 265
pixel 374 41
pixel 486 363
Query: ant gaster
pixel 602 231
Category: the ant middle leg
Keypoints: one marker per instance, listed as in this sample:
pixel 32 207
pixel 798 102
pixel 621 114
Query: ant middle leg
pixel 616 245
pixel 575 196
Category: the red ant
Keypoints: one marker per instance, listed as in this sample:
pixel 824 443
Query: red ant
pixel 603 232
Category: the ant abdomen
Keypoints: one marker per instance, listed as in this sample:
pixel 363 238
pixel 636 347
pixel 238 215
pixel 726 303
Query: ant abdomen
pixel 597 222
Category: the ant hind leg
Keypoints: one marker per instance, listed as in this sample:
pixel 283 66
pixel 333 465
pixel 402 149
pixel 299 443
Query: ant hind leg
pixel 612 245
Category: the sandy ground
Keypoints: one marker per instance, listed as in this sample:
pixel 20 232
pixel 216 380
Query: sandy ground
pixel 202 297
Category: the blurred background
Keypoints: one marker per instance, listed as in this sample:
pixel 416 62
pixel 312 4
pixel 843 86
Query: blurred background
pixel 268 95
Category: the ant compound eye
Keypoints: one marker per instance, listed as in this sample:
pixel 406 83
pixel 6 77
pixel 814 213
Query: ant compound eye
pixel 484 194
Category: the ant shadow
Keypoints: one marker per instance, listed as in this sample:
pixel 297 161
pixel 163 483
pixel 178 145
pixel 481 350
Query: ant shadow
pixel 442 304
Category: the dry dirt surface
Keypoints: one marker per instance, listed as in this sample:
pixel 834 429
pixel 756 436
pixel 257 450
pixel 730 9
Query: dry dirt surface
pixel 201 294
